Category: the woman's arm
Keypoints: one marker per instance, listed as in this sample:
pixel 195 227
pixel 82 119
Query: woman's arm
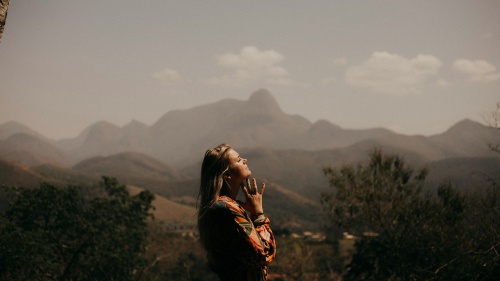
pixel 258 247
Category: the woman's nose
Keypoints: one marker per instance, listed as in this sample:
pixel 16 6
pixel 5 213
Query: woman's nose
pixel 245 160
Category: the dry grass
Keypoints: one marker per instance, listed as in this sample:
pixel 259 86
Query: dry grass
pixel 168 211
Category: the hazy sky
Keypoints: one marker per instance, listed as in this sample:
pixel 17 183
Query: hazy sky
pixel 415 67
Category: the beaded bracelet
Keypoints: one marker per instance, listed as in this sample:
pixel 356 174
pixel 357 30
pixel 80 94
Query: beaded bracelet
pixel 259 220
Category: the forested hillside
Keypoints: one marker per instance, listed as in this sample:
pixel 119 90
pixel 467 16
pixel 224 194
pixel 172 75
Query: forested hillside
pixel 436 186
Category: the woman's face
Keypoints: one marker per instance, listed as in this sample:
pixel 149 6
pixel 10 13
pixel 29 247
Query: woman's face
pixel 238 169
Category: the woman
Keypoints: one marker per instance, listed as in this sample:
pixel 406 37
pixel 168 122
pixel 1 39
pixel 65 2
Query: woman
pixel 235 234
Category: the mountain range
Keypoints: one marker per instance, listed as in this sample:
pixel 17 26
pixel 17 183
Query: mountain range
pixel 287 151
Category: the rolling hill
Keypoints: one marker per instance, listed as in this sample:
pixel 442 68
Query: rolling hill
pixel 128 165
pixel 31 150
pixel 168 211
pixel 176 200
pixel 180 137
pixel 12 128
pixel 12 174
pixel 286 151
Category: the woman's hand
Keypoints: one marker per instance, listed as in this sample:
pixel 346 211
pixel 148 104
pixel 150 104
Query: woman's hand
pixel 253 197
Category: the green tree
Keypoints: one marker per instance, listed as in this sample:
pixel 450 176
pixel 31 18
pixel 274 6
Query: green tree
pixel 55 233
pixel 405 233
pixel 301 259
pixel 477 251
pixel 485 218
pixel 492 119
pixel 177 256
pixel 4 7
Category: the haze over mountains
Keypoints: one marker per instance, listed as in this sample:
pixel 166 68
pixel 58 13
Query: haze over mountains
pixel 288 151
pixel 180 137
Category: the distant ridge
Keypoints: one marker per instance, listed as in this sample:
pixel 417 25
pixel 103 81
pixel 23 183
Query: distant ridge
pixel 31 150
pixel 12 174
pixel 467 139
pixel 288 152
pixel 11 128
pixel 464 172
pixel 180 137
pixel 126 164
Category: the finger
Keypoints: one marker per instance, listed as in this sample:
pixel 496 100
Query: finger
pixel 249 186
pixel 262 188
pixel 245 190
pixel 255 186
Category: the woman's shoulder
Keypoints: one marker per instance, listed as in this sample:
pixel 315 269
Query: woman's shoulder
pixel 225 202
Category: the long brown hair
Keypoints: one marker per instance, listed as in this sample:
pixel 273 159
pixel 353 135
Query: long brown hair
pixel 215 165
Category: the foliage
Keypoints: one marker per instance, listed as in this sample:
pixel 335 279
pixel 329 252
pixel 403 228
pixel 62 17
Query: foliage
pixel 493 120
pixel 176 256
pixel 55 233
pixel 405 233
pixel 373 198
pixel 300 259
pixel 4 7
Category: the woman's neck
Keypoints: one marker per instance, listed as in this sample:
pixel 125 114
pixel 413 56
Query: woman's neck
pixel 230 190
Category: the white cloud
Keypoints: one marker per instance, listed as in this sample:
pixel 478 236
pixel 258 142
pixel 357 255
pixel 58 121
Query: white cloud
pixel 477 71
pixel 276 71
pixel 392 73
pixel 251 65
pixel 251 57
pixel 168 76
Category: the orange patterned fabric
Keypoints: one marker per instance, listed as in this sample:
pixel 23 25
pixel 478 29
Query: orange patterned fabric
pixel 238 249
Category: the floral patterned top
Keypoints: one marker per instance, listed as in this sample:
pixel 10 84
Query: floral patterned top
pixel 239 248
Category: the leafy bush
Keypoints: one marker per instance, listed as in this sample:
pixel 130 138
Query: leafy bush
pixel 56 233
pixel 404 232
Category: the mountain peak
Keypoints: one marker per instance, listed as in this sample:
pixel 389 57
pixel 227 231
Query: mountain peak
pixel 466 125
pixel 263 99
pixel 103 130
pixel 136 128
pixel 135 124
pixel 12 127
pixel 103 124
